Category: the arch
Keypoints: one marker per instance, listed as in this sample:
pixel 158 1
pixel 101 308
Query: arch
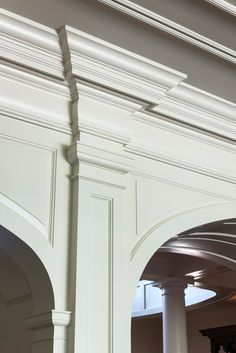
pixel 26 295
pixel 27 228
pixel 32 267
pixel 23 238
pixel 170 227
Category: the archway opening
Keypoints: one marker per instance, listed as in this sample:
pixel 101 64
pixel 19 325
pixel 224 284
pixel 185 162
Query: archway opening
pixel 205 257
pixel 26 298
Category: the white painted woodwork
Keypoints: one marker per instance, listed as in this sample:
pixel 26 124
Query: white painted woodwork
pixel 105 155
pixel 205 70
pixel 30 44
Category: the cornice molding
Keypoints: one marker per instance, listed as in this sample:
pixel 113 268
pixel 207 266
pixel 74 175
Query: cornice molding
pixel 173 28
pixel 100 166
pixel 159 121
pixel 147 152
pixel 92 59
pixel 113 118
pixel 30 45
pixel 32 74
pixel 224 5
pixel 89 59
pixel 92 129
pixel 111 89
pixel 157 88
pixel 79 152
pixel 200 109
pixel 35 99
pixel 28 79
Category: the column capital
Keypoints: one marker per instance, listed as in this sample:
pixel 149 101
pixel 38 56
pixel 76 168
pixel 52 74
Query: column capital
pixel 49 330
pixel 174 282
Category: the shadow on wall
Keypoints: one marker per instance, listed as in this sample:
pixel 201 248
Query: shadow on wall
pixel 25 293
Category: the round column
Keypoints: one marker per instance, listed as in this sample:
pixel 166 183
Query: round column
pixel 174 314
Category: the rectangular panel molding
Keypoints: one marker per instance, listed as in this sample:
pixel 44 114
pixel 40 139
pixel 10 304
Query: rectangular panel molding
pixel 101 272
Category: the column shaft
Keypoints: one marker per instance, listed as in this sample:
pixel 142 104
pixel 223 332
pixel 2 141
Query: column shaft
pixel 174 321
pixel 174 314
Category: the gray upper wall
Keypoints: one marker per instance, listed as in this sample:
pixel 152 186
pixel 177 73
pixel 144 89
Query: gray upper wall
pixel 205 71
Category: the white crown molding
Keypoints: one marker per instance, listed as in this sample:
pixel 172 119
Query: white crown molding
pixel 200 109
pixel 171 27
pixel 105 64
pixel 79 152
pixel 172 160
pixel 103 113
pixel 224 5
pixel 114 83
pixel 100 166
pixel 163 123
pixel 91 59
pixel 35 99
pixel 32 74
pixel 92 129
pixel 150 143
pixel 30 44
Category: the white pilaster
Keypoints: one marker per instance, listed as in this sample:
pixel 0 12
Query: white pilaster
pixel 99 181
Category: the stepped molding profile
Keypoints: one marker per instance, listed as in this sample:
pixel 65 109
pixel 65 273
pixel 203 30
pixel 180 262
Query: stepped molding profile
pixel 95 60
pixel 35 99
pixel 129 93
pixel 104 64
pixel 200 109
pixel 79 152
pixel 30 44
pixel 114 114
